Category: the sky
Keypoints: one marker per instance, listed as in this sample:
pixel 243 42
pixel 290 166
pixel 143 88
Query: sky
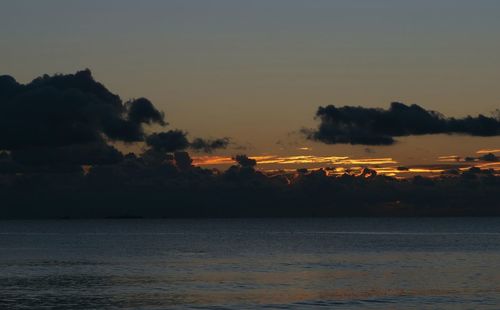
pixel 257 71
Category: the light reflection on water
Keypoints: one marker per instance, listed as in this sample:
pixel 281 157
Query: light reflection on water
pixel 286 263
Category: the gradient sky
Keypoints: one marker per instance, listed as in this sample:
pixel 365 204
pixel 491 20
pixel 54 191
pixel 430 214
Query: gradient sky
pixel 257 70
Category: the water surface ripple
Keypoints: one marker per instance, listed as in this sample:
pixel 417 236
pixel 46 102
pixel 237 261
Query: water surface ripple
pixel 348 263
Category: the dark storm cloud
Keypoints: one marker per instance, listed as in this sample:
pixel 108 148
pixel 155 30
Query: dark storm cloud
pixel 209 145
pixel 370 126
pixel 63 110
pixel 168 141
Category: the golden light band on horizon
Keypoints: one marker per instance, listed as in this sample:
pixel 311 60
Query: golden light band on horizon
pixel 343 164
pixel 300 159
pixel 489 165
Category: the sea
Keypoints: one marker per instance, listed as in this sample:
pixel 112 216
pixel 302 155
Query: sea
pixel 308 263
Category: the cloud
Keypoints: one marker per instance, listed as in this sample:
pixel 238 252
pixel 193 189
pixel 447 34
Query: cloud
pixel 209 145
pixel 54 125
pixel 81 154
pixel 370 126
pixel 488 151
pixel 245 161
pixel 182 160
pixel 300 159
pixel 142 111
pixel 489 157
pixel 176 140
pixel 63 110
pixel 168 141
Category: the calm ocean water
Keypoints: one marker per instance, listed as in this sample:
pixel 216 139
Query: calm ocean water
pixel 347 263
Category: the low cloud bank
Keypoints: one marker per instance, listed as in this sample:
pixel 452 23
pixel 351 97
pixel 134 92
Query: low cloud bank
pixel 57 160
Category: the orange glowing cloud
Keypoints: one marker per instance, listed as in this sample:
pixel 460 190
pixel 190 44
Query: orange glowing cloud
pixel 449 158
pixel 488 151
pixel 488 165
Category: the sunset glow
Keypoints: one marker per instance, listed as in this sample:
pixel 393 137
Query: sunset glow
pixel 449 158
pixel 341 165
pixel 289 160
pixel 260 154
pixel 488 151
